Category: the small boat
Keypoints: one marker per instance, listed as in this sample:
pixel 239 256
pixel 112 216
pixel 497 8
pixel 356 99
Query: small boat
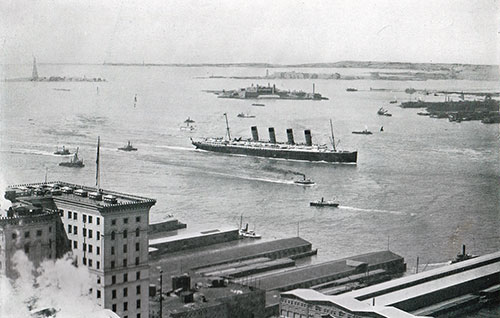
pixel 423 113
pixel 62 89
pixel 304 181
pixel 128 147
pixel 246 233
pixel 189 121
pixel 62 152
pixel 243 115
pixel 383 112
pixel 394 101
pixel 324 202
pixel 75 162
pixel 363 132
pixel 257 104
pixel 351 89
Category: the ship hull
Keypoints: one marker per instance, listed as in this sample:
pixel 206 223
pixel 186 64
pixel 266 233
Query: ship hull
pixel 326 156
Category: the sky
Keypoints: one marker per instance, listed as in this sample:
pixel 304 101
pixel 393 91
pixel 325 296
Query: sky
pixel 231 31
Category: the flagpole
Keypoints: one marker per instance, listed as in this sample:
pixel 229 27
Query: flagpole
pixel 97 172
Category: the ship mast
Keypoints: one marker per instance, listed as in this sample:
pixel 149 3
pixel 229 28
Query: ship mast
pixel 227 128
pixel 333 138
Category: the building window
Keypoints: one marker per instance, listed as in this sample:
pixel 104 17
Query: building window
pixel 113 235
pixel 90 218
pixel 112 250
pixel 138 275
pixel 113 294
pixel 112 264
pixel 113 307
pixel 125 220
pixel 75 244
pixel 98 220
pixel 90 248
pixel 124 233
pixel 98 280
pixel 75 230
pixel 113 279
pixel 137 232
pixel 90 233
pixel 125 306
pixel 125 292
pixel 98 294
pixel 138 303
pixel 137 219
pixel 98 265
pixel 125 277
pixel 84 232
pixel 138 289
pixel 98 235
pixel 137 260
pixel 113 222
pixel 124 248
pixel 26 234
pixel 137 245
pixel 84 218
pixel 138 316
pixel 90 262
pixel 75 216
pixel 50 229
pixel 124 262
pixel 26 248
pixel 69 214
pixel 98 250
pixel 84 261
pixel 84 247
pixel 39 233
pixel 69 228
pixel 14 236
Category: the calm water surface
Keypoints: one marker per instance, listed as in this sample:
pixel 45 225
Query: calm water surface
pixel 423 186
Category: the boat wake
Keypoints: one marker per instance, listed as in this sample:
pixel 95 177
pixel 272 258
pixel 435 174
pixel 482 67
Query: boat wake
pixel 36 152
pixel 177 148
pixel 252 178
pixel 371 210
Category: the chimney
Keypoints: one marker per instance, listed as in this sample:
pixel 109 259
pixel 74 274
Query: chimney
pixel 289 133
pixel 272 135
pixel 255 134
pixel 307 134
pixel 463 249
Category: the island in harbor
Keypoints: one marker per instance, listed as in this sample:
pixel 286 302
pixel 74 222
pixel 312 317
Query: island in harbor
pixel 36 78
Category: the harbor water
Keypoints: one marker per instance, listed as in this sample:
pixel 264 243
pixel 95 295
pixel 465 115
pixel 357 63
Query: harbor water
pixel 422 187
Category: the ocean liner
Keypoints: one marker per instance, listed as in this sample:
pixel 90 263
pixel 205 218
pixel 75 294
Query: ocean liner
pixel 274 149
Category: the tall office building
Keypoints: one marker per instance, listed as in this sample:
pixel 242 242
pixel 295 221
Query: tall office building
pixel 108 233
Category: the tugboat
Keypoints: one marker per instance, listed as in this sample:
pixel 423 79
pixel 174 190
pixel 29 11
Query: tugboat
pixel 129 147
pixel 462 256
pixel 245 232
pixel 62 152
pixel 304 181
pixel 322 203
pixel 243 115
pixel 383 112
pixel 351 89
pixel 74 162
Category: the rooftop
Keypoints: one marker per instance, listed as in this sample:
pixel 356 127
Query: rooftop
pixel 191 234
pixel 103 200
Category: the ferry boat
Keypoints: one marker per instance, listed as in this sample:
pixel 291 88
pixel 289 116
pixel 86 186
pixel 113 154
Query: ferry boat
pixel 323 202
pixel 75 162
pixel 278 150
pixel 305 181
pixel 128 147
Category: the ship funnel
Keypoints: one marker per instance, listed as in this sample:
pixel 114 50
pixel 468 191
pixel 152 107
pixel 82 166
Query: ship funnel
pixel 289 133
pixel 272 135
pixel 307 134
pixel 255 134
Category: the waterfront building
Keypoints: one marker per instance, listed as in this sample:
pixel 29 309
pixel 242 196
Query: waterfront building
pixel 108 234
